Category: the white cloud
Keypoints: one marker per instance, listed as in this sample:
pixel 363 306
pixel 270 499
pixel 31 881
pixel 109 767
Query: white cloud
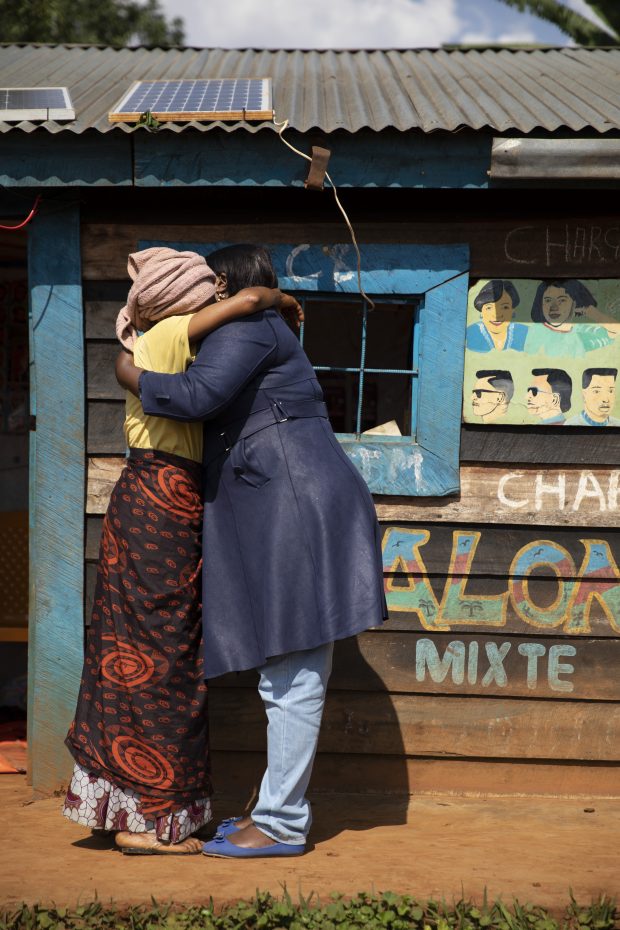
pixel 318 23
pixel 510 37
pixel 517 37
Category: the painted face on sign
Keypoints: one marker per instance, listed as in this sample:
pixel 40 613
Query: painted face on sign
pixel 542 402
pixel 486 401
pixel 599 397
pixel 558 307
pixel 497 314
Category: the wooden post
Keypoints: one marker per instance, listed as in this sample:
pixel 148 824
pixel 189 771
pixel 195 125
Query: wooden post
pixel 56 488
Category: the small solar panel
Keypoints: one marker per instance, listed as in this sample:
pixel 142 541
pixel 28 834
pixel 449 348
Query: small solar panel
pixel 221 98
pixel 35 103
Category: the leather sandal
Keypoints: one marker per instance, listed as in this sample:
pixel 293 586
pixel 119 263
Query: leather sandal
pixel 147 844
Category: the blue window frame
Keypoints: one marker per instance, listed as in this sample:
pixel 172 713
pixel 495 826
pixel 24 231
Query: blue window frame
pixel 368 344
pixel 434 278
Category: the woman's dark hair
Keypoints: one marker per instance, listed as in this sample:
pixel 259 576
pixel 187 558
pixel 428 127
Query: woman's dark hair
pixel 575 290
pixel 493 290
pixel 244 266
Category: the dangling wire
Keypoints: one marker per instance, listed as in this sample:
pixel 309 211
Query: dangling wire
pixel 25 222
pixel 281 127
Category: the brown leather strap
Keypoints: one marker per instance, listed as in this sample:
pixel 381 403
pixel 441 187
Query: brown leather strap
pixel 318 167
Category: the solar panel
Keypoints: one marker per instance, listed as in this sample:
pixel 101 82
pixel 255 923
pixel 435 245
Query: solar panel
pixel 35 103
pixel 221 98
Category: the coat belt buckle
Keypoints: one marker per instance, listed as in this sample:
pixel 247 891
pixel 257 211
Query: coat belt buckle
pixel 278 408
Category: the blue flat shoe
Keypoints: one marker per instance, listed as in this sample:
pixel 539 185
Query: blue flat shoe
pixel 222 848
pixel 227 826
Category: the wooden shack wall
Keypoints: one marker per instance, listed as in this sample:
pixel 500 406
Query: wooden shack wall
pixel 537 707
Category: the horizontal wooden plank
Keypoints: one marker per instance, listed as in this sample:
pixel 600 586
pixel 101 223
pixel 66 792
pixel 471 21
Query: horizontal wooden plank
pixel 491 548
pixel 101 383
pixel 236 774
pixel 100 318
pixel 105 246
pixel 501 606
pixel 102 475
pixel 14 634
pixel 470 664
pixel 495 550
pixel 518 494
pixel 439 726
pixel 531 446
pixel 544 588
pixel 505 246
pixel 525 495
pixel 105 420
pixel 544 449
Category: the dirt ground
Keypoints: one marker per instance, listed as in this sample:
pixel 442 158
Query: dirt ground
pixel 442 846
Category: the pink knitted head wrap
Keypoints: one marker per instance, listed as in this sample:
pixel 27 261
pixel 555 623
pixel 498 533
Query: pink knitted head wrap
pixel 165 283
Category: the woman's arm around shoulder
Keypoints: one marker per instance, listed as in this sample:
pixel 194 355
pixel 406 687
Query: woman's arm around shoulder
pixel 228 359
pixel 245 302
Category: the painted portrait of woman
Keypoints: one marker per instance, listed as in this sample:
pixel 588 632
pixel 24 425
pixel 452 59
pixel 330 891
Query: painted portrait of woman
pixel 571 323
pixel 496 302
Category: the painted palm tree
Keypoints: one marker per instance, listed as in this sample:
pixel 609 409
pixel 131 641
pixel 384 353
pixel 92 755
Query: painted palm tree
pixel 575 25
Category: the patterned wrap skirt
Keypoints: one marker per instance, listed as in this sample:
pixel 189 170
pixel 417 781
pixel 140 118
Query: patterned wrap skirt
pixel 140 735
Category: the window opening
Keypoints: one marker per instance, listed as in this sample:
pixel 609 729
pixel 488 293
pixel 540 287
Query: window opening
pixel 366 362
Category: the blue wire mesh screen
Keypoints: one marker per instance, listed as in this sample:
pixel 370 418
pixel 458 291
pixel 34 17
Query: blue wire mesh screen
pixel 366 361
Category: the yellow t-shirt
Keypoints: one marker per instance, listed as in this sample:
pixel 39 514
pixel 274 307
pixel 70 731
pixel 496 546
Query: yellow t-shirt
pixel 164 348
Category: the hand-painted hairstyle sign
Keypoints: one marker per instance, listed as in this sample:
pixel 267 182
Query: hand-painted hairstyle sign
pixel 543 353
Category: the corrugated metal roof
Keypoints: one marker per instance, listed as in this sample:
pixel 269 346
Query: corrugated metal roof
pixel 502 89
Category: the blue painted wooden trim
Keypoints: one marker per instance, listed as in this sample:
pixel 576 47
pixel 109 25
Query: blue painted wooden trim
pixel 57 482
pixel 362 159
pixel 66 160
pixel 438 275
pixel 386 269
pixel 400 467
pixel 440 382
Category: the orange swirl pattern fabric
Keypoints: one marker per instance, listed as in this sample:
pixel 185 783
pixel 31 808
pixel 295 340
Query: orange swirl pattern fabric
pixel 141 719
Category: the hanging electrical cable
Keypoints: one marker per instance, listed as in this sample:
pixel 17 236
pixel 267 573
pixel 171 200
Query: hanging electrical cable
pixel 25 222
pixel 281 127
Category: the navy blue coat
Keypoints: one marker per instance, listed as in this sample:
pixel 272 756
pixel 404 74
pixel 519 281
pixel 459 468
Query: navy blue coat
pixel 292 555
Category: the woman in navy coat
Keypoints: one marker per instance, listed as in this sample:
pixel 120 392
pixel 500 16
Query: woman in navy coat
pixel 292 555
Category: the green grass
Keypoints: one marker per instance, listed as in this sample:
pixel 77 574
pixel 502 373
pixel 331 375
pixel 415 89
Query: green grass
pixel 384 911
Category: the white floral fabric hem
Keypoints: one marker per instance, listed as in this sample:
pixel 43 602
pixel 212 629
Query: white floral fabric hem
pixel 95 802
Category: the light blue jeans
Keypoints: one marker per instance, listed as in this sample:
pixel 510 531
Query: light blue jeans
pixel 292 688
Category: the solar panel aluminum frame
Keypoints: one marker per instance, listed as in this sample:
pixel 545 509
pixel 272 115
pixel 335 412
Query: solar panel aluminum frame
pixel 38 114
pixel 116 114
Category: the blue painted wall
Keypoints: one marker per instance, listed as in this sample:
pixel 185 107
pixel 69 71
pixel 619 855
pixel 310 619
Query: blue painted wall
pixel 40 159
pixel 218 158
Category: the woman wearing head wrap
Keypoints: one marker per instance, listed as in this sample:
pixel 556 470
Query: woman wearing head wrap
pixel 292 548
pixel 140 736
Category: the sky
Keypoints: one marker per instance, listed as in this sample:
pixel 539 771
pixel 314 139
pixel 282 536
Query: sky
pixel 359 23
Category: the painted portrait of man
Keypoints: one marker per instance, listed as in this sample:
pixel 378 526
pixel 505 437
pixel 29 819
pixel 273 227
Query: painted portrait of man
pixel 549 395
pixel 491 395
pixel 598 389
